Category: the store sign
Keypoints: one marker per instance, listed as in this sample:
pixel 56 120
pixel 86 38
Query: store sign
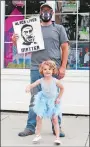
pixel 69 6
pixel 30 35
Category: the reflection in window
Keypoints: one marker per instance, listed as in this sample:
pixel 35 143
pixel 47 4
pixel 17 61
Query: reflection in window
pixel 11 58
pixel 58 19
pixel 83 56
pixel 11 5
pixel 27 60
pixel 14 60
pixel 8 54
pixel 9 25
pixel 68 6
pixel 58 6
pixel 83 27
pixel 72 56
pixel 69 22
pixel 84 6
pixel 33 6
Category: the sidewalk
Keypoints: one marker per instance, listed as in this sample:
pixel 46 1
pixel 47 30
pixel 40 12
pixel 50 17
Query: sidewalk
pixel 75 128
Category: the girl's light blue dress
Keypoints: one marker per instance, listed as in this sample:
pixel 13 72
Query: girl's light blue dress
pixel 45 100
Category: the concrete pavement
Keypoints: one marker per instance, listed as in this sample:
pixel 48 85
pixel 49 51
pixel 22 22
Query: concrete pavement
pixel 75 128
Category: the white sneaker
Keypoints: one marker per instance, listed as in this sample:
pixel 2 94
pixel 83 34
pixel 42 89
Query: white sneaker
pixel 57 142
pixel 37 139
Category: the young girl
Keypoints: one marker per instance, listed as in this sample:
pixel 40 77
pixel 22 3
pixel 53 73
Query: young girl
pixel 48 99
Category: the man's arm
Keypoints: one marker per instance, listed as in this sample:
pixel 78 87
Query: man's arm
pixel 64 45
pixel 62 69
pixel 64 48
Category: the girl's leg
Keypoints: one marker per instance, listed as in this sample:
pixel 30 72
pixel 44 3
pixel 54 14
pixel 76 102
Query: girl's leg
pixel 38 130
pixel 56 125
pixel 56 128
pixel 39 125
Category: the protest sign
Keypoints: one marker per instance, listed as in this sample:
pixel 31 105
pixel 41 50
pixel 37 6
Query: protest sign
pixel 30 35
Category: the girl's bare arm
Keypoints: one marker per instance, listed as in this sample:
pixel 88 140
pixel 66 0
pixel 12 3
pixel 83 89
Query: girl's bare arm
pixel 61 88
pixel 35 84
pixel 31 86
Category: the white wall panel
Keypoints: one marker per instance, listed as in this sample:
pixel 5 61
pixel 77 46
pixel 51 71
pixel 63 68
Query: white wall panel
pixel 75 99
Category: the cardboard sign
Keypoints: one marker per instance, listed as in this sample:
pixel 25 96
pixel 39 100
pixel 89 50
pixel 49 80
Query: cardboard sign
pixel 30 35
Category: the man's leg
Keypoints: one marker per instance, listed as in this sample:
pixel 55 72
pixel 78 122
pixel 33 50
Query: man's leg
pixel 31 121
pixel 31 124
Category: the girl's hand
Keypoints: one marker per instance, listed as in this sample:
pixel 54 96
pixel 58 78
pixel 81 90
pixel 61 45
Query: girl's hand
pixel 28 89
pixel 57 101
pixel 15 38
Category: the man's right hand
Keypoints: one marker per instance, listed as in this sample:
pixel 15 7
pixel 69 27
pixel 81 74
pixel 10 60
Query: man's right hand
pixel 14 39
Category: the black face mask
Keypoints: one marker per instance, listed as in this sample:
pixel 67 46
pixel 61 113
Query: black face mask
pixel 46 16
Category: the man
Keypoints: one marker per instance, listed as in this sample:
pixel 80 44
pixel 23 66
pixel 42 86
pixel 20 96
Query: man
pixel 55 40
pixel 27 34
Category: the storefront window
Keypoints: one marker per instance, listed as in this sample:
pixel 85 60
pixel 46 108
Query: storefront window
pixel 69 22
pixel 84 6
pixel 83 27
pixel 72 56
pixel 11 6
pixel 14 60
pixel 68 6
pixel 76 22
pixel 69 13
pixel 83 61
pixel 33 6
pixel 11 58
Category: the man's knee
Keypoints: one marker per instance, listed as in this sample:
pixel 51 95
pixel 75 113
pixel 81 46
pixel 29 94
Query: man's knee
pixel 31 113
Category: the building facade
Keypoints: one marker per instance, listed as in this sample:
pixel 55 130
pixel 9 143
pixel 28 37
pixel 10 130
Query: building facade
pixel 15 68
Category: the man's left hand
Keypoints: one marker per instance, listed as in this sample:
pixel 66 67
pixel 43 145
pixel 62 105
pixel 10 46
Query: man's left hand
pixel 61 71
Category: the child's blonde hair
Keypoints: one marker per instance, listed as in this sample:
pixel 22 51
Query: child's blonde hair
pixel 51 64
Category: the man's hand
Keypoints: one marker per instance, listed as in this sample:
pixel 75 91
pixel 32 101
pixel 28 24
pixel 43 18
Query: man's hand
pixel 14 38
pixel 61 72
